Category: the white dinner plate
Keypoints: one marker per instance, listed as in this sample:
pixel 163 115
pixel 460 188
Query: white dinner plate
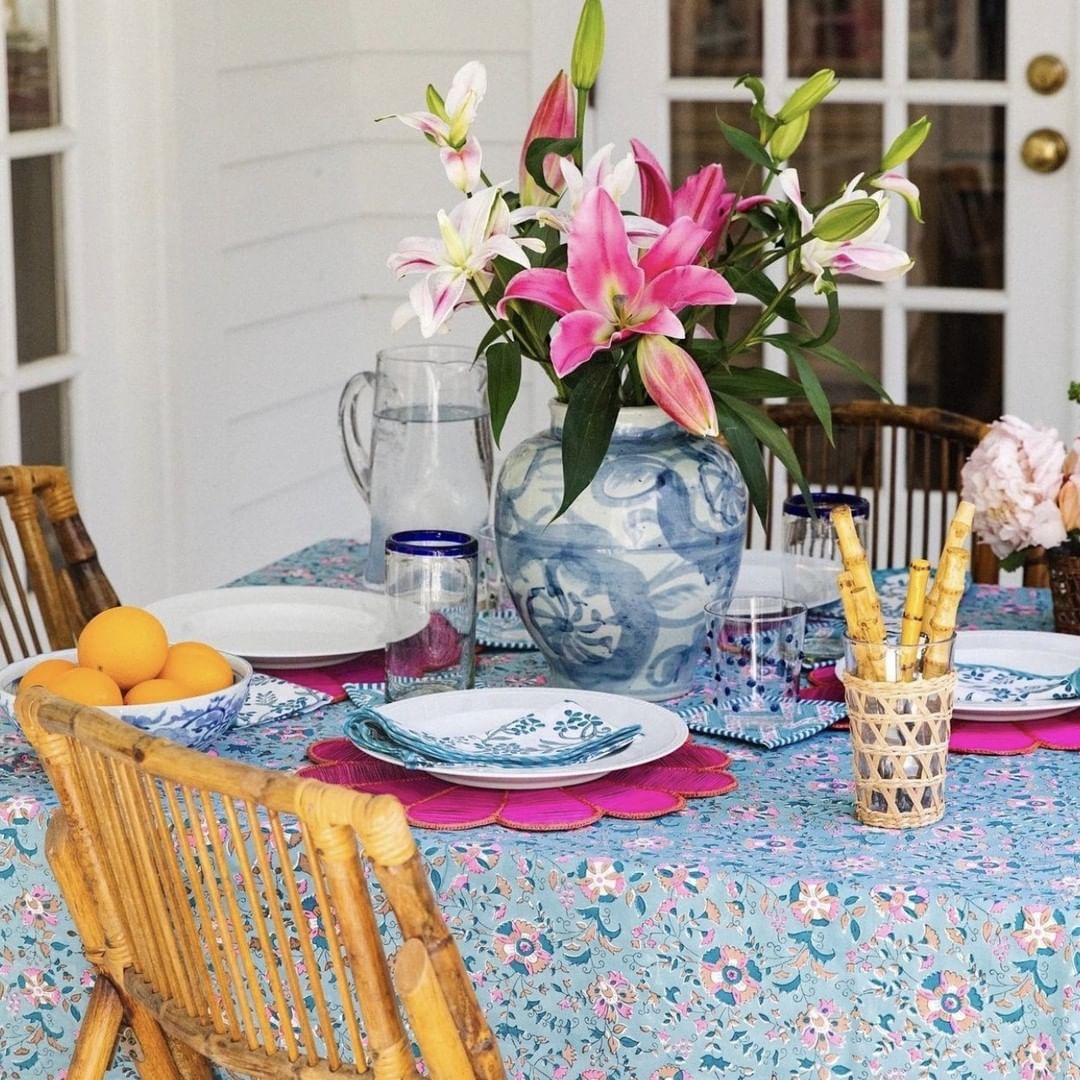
pixel 761 573
pixel 1034 651
pixel 477 711
pixel 287 626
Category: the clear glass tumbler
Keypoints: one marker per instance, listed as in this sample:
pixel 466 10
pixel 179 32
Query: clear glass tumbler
pixel 811 557
pixel 435 570
pixel 755 648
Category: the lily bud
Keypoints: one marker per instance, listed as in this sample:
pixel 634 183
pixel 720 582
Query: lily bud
pixel 787 138
pixel 905 144
pixel 435 103
pixel 674 381
pixel 846 220
pixel 811 93
pixel 553 119
pixel 588 45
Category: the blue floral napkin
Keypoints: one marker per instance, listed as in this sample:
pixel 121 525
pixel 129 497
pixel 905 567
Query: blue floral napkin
pixel 565 734
pixel 990 684
pixel 270 699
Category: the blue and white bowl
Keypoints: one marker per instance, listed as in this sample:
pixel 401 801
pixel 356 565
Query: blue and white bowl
pixel 195 721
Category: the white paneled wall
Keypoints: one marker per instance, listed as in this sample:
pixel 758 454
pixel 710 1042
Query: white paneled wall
pixel 288 199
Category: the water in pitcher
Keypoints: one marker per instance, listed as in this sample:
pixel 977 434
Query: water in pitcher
pixel 429 470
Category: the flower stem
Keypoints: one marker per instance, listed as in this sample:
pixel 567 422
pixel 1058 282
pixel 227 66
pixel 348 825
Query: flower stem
pixel 582 105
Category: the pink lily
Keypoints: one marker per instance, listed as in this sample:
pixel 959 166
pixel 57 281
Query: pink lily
pixel 703 197
pixel 471 236
pixel 674 381
pixel 865 256
pixel 554 119
pixel 606 297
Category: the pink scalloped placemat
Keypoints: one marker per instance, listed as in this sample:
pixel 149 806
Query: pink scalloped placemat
pixel 643 791
pixel 972 736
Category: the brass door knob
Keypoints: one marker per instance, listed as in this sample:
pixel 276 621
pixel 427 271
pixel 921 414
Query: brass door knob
pixel 1046 74
pixel 1045 150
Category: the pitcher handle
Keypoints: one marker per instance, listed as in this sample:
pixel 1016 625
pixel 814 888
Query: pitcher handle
pixel 357 456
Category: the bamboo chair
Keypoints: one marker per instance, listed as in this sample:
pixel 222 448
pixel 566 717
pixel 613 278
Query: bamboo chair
pixel 65 596
pixel 199 887
pixel 905 459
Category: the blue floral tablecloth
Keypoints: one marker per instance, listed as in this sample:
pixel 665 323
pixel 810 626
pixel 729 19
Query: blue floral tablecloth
pixel 760 934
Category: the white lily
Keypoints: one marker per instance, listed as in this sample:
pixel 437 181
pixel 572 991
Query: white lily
pixel 470 237
pixel 599 172
pixel 449 124
pixel 866 255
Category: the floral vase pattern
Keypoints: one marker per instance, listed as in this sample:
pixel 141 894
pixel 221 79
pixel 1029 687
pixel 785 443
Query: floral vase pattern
pixel 613 591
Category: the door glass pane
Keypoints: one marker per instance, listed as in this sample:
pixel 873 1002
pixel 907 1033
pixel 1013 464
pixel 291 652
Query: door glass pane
pixel 715 37
pixel 43 424
pixel 40 310
pixel 841 141
pixel 960 172
pixel 33 100
pixel 696 139
pixel 955 362
pixel 844 35
pixel 957 39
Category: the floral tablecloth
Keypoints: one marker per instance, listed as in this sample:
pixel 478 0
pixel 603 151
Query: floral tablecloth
pixel 761 934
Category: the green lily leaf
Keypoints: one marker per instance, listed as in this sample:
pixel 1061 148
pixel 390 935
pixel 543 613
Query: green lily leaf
pixel 748 146
pixel 590 420
pixel 754 384
pixel 503 382
pixel 747 453
pixel 815 392
pixel 769 434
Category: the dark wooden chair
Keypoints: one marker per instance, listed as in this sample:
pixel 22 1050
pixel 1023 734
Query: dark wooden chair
pixel 198 886
pixel 906 460
pixel 51 582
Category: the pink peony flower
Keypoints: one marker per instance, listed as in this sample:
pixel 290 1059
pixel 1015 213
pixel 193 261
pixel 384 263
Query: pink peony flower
pixel 1013 477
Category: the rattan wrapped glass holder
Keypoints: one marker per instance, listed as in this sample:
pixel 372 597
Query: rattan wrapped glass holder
pixel 900 747
pixel 1065 590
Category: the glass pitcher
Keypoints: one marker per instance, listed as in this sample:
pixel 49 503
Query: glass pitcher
pixel 430 459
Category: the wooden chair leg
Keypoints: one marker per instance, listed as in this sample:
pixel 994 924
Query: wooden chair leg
pixel 157 1061
pixel 96 1040
pixel 192 1064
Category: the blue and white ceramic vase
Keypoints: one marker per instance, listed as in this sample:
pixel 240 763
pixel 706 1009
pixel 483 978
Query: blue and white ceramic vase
pixel 613 592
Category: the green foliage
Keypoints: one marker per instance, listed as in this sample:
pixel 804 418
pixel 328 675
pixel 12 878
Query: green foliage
pixel 538 151
pixel 590 420
pixel 503 382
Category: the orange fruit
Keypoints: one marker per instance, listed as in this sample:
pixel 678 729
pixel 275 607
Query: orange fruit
pixel 155 690
pixel 199 668
pixel 87 687
pixel 126 643
pixel 45 673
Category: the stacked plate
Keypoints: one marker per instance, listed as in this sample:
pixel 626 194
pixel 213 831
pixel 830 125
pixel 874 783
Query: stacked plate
pixel 287 626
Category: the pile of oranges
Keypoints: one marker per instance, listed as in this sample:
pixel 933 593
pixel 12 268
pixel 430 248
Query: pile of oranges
pixel 124 658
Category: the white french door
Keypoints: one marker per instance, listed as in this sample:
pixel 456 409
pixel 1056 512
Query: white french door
pixel 985 321
pixel 37 296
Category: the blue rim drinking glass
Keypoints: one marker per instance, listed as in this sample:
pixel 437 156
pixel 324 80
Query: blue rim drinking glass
pixel 434 570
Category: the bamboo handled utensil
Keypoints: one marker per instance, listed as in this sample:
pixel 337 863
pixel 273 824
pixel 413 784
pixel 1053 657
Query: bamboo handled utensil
pixel 955 537
pixel 951 574
pixel 868 626
pixel 911 621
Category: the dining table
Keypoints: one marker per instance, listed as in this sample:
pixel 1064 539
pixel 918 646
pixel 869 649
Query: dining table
pixel 763 932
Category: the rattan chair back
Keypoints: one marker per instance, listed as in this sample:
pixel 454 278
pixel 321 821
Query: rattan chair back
pixel 906 460
pixel 228 909
pixel 51 583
